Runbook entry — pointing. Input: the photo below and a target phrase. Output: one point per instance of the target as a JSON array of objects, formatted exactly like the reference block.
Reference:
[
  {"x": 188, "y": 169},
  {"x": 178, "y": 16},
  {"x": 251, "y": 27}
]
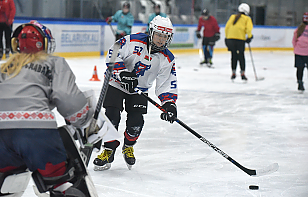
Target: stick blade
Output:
[
  {"x": 260, "y": 79},
  {"x": 268, "y": 170}
]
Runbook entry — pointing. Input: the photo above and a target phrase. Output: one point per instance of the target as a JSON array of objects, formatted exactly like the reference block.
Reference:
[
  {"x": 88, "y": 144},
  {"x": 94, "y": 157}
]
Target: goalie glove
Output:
[
  {"x": 129, "y": 81},
  {"x": 171, "y": 112}
]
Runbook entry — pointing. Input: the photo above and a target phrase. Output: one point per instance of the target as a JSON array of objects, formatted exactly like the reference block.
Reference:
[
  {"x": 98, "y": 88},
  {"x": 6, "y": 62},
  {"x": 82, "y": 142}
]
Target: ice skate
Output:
[
  {"x": 233, "y": 76},
  {"x": 128, "y": 154},
  {"x": 301, "y": 86},
  {"x": 243, "y": 76},
  {"x": 203, "y": 62},
  {"x": 104, "y": 160}
]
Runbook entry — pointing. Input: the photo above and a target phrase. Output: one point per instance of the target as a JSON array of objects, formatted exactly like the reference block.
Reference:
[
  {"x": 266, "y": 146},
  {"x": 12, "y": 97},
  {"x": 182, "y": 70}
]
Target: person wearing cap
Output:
[
  {"x": 300, "y": 45},
  {"x": 124, "y": 19},
  {"x": 211, "y": 34},
  {"x": 157, "y": 11}
]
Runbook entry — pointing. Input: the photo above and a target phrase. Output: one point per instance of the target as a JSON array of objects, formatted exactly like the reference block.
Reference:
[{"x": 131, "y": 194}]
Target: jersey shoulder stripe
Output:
[
  {"x": 167, "y": 54},
  {"x": 139, "y": 37}
]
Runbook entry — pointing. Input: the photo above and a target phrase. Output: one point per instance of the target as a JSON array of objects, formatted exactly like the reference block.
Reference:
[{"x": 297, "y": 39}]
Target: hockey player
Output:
[
  {"x": 125, "y": 21},
  {"x": 236, "y": 29},
  {"x": 157, "y": 11},
  {"x": 211, "y": 34},
  {"x": 142, "y": 59},
  {"x": 7, "y": 14},
  {"x": 300, "y": 45},
  {"x": 32, "y": 83}
]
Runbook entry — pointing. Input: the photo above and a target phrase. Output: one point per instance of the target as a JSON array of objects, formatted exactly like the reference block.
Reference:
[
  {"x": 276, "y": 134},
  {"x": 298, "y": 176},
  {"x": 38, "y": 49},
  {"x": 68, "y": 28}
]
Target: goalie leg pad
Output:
[
  {"x": 76, "y": 173},
  {"x": 14, "y": 182}
]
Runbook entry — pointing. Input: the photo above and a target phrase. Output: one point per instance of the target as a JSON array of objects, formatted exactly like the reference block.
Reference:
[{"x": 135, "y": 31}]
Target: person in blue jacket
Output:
[
  {"x": 125, "y": 21},
  {"x": 153, "y": 15}
]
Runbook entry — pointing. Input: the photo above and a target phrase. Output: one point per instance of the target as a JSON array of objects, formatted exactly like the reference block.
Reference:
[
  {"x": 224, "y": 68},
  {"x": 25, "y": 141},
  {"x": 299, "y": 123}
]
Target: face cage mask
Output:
[
  {"x": 51, "y": 46},
  {"x": 154, "y": 47}
]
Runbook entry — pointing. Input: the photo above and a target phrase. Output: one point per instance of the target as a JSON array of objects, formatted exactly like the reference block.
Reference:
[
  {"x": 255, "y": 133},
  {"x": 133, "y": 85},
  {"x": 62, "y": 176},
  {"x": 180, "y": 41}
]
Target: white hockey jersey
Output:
[{"x": 160, "y": 66}]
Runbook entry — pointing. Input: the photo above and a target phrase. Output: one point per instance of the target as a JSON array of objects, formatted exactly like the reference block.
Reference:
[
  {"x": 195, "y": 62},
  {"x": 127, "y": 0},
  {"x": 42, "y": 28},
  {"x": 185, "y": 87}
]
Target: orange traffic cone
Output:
[{"x": 94, "y": 76}]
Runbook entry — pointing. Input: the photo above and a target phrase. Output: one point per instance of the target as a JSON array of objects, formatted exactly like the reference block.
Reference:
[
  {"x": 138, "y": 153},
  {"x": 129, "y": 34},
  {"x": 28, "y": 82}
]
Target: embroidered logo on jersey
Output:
[
  {"x": 122, "y": 41},
  {"x": 140, "y": 68},
  {"x": 173, "y": 69},
  {"x": 146, "y": 57}
]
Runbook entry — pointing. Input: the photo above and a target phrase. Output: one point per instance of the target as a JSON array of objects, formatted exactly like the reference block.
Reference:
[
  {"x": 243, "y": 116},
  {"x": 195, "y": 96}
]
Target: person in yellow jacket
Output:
[{"x": 238, "y": 26}]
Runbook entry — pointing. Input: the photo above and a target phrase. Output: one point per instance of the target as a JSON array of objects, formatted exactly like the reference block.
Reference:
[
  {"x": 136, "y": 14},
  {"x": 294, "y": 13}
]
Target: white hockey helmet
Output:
[
  {"x": 161, "y": 25},
  {"x": 244, "y": 7}
]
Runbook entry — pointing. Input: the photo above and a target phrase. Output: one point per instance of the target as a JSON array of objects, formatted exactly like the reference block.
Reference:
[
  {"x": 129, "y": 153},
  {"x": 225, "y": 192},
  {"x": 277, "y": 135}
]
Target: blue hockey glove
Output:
[
  {"x": 171, "y": 112},
  {"x": 129, "y": 81}
]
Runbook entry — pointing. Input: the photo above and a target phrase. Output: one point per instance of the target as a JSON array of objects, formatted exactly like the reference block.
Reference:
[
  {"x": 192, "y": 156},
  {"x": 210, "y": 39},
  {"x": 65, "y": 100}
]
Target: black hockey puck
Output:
[{"x": 253, "y": 187}]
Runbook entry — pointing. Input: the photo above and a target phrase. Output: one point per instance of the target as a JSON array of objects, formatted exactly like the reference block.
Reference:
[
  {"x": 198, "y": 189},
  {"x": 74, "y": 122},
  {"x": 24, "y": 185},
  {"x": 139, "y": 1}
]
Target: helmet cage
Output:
[
  {"x": 48, "y": 41},
  {"x": 160, "y": 28}
]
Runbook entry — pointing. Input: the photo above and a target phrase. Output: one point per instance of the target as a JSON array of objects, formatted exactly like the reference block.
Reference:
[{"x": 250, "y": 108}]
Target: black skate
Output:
[
  {"x": 244, "y": 77},
  {"x": 104, "y": 160},
  {"x": 301, "y": 86},
  {"x": 128, "y": 154},
  {"x": 233, "y": 76},
  {"x": 203, "y": 62}
]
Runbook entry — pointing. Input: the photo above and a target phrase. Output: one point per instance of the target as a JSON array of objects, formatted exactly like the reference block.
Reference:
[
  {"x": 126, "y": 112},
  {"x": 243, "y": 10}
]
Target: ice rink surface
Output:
[{"x": 256, "y": 123}]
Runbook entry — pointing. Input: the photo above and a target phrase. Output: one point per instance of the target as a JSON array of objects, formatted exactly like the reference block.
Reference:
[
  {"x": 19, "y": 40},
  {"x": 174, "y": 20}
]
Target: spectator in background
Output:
[
  {"x": 125, "y": 21},
  {"x": 7, "y": 14},
  {"x": 236, "y": 29},
  {"x": 211, "y": 34},
  {"x": 300, "y": 45},
  {"x": 157, "y": 12}
]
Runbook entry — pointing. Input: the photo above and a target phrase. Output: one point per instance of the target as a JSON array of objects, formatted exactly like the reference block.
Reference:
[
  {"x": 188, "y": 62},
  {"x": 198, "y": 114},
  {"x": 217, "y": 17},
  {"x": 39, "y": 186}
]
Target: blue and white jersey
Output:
[{"x": 134, "y": 56}]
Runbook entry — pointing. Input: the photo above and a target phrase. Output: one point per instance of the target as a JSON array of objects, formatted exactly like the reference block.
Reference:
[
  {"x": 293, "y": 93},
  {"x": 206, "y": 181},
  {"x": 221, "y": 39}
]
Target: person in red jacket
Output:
[
  {"x": 7, "y": 14},
  {"x": 210, "y": 35}
]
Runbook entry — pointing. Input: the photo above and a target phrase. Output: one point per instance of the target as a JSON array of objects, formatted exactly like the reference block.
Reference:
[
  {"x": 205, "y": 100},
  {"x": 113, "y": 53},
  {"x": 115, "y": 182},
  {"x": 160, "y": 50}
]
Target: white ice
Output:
[{"x": 256, "y": 123}]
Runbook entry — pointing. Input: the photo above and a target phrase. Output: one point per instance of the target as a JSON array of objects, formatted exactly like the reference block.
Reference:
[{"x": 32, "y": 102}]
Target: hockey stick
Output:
[
  {"x": 270, "y": 169},
  {"x": 114, "y": 33},
  {"x": 253, "y": 65},
  {"x": 87, "y": 148},
  {"x": 91, "y": 129}
]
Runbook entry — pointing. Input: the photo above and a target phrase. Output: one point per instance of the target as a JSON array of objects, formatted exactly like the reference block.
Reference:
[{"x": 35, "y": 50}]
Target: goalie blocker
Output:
[{"x": 76, "y": 177}]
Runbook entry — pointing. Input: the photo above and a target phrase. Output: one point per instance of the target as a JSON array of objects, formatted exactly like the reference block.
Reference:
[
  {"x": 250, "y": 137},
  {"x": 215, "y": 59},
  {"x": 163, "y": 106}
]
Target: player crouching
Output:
[{"x": 32, "y": 83}]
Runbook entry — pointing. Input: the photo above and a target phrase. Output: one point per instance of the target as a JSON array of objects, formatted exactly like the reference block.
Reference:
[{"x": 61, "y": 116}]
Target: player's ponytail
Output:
[
  {"x": 14, "y": 64},
  {"x": 237, "y": 17},
  {"x": 300, "y": 29}
]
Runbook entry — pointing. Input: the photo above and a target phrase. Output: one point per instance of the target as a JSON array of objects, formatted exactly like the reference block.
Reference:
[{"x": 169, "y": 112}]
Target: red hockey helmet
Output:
[
  {"x": 31, "y": 38},
  {"x": 305, "y": 17}
]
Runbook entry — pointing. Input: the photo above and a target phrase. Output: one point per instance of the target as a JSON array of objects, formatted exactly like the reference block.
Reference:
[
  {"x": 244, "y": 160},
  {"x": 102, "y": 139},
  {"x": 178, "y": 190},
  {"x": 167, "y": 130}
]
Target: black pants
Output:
[
  {"x": 300, "y": 63},
  {"x": 135, "y": 106},
  {"x": 7, "y": 29},
  {"x": 237, "y": 48}
]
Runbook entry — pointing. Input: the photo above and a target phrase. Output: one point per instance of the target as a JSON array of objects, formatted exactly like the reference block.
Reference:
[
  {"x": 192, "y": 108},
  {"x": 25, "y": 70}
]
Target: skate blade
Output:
[
  {"x": 129, "y": 166},
  {"x": 102, "y": 168}
]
